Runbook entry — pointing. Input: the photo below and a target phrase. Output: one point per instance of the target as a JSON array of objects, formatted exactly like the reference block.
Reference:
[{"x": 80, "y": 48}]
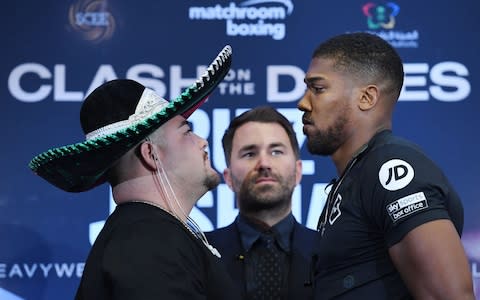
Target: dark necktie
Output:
[{"x": 269, "y": 270}]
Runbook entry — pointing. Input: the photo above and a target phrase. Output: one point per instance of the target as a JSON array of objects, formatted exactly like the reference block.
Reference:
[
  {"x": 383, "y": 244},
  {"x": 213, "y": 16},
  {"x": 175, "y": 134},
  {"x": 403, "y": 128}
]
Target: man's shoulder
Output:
[
  {"x": 225, "y": 239},
  {"x": 389, "y": 150},
  {"x": 393, "y": 144},
  {"x": 221, "y": 232}
]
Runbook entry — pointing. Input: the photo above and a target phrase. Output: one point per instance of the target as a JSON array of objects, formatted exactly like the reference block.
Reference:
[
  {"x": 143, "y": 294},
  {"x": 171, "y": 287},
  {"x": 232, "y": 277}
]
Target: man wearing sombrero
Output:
[{"x": 158, "y": 168}]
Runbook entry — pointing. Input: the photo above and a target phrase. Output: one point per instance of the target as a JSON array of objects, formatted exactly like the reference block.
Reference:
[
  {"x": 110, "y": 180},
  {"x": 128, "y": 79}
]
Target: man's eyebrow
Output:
[
  {"x": 310, "y": 80},
  {"x": 277, "y": 144},
  {"x": 185, "y": 122},
  {"x": 248, "y": 147}
]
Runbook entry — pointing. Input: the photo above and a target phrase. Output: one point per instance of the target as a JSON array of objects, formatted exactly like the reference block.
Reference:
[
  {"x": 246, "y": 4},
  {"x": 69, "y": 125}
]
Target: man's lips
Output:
[
  {"x": 265, "y": 180},
  {"x": 306, "y": 124},
  {"x": 306, "y": 121}
]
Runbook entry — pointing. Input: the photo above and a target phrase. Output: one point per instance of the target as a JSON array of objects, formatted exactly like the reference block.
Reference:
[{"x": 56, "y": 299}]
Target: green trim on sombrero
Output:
[
  {"x": 108, "y": 139},
  {"x": 81, "y": 166}
]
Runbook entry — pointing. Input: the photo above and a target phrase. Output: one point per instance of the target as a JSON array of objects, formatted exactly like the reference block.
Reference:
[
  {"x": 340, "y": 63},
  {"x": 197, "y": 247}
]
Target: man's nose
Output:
[
  {"x": 264, "y": 162},
  {"x": 203, "y": 142},
  {"x": 304, "y": 103}
]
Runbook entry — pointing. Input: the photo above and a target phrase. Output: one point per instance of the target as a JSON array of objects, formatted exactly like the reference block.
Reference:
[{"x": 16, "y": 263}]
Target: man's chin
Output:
[
  {"x": 212, "y": 181},
  {"x": 264, "y": 203},
  {"x": 266, "y": 196}
]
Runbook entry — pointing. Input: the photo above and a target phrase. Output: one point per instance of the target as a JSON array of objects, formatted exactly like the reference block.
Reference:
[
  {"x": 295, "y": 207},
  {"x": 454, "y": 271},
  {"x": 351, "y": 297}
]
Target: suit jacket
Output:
[{"x": 228, "y": 243}]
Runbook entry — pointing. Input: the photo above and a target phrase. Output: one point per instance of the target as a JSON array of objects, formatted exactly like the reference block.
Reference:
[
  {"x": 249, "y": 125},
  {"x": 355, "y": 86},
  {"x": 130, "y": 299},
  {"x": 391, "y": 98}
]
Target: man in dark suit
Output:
[{"x": 267, "y": 252}]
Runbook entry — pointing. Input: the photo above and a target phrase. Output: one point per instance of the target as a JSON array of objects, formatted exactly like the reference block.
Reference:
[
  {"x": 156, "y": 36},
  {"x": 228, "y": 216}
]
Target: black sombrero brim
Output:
[{"x": 82, "y": 166}]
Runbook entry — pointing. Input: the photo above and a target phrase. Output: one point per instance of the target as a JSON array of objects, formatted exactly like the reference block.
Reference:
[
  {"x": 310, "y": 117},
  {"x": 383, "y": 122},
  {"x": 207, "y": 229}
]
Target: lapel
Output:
[
  {"x": 300, "y": 277},
  {"x": 227, "y": 241}
]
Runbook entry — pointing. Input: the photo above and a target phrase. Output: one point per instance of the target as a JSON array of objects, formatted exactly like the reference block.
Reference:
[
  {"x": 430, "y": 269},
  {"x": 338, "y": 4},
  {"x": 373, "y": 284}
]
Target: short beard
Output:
[
  {"x": 212, "y": 181},
  {"x": 328, "y": 141},
  {"x": 266, "y": 198}
]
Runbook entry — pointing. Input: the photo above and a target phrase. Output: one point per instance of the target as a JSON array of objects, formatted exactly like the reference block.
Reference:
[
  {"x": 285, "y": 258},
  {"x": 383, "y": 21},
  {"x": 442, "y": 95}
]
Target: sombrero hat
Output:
[{"x": 115, "y": 117}]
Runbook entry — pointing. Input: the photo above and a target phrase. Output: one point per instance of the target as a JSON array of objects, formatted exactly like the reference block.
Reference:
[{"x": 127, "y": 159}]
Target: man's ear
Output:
[
  {"x": 148, "y": 155},
  {"x": 369, "y": 97},
  {"x": 298, "y": 171},
  {"x": 228, "y": 178}
]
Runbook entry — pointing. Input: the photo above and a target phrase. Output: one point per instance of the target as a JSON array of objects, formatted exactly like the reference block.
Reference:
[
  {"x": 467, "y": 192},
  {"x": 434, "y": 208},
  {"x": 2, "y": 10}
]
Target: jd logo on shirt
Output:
[{"x": 395, "y": 174}]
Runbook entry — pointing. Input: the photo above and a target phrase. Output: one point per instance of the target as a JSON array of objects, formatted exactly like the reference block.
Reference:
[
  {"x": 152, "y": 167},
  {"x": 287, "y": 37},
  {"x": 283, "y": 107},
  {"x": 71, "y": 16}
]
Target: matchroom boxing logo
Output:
[{"x": 249, "y": 18}]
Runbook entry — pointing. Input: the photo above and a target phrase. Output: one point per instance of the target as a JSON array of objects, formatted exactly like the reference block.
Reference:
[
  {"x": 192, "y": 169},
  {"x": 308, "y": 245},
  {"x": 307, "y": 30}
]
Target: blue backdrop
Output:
[{"x": 56, "y": 52}]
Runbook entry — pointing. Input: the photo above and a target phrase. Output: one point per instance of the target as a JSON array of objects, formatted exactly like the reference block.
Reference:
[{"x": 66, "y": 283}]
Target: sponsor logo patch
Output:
[
  {"x": 395, "y": 174},
  {"x": 406, "y": 206}
]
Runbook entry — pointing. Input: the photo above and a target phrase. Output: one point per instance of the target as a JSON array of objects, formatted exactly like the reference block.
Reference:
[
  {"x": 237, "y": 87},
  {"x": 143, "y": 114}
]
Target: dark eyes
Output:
[
  {"x": 189, "y": 127},
  {"x": 248, "y": 154},
  {"x": 252, "y": 153},
  {"x": 276, "y": 152},
  {"x": 315, "y": 89},
  {"x": 188, "y": 130}
]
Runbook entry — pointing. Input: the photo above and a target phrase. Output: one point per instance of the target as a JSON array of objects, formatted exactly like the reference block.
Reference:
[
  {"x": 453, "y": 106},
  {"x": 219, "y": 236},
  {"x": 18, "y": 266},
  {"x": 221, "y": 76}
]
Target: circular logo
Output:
[
  {"x": 395, "y": 174},
  {"x": 92, "y": 19}
]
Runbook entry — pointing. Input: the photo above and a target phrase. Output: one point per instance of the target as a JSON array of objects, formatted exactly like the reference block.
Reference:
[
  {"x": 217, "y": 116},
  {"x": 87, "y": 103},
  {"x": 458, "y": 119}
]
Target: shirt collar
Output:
[
  {"x": 376, "y": 138},
  {"x": 250, "y": 232}
]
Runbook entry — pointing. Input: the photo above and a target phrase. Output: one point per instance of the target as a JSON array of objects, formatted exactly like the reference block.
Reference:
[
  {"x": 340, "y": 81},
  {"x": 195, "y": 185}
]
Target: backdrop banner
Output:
[{"x": 56, "y": 52}]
